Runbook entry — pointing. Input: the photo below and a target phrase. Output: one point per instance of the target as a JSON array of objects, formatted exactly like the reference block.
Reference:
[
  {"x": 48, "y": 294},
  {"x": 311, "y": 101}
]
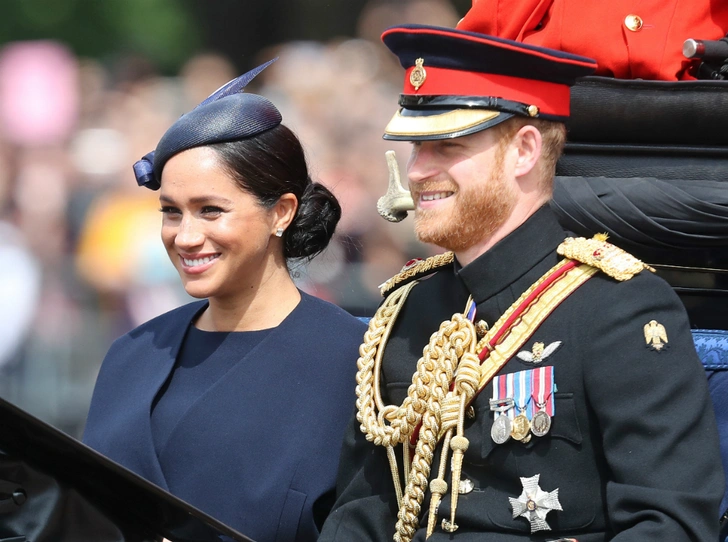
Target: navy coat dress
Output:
[{"x": 259, "y": 449}]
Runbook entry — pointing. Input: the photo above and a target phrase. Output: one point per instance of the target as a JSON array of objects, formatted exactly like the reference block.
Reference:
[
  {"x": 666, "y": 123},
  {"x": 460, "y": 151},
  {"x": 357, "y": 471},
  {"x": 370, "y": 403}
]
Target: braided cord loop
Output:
[{"x": 455, "y": 338}]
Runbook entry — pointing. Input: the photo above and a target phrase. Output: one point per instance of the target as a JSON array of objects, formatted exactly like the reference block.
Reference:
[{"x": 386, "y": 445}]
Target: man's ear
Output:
[
  {"x": 285, "y": 210},
  {"x": 527, "y": 142}
]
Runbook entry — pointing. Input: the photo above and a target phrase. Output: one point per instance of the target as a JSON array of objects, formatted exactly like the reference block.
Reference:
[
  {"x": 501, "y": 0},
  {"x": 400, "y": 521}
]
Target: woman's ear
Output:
[
  {"x": 284, "y": 211},
  {"x": 528, "y": 142}
]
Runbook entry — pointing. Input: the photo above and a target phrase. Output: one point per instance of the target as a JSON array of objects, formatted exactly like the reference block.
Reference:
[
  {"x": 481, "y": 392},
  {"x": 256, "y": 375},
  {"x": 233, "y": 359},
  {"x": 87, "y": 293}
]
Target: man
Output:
[{"x": 520, "y": 386}]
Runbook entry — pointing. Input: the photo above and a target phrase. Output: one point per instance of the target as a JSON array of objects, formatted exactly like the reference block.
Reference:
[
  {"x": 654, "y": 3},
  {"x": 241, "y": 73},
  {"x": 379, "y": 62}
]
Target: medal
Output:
[
  {"x": 543, "y": 384},
  {"x": 500, "y": 432},
  {"x": 522, "y": 393},
  {"x": 541, "y": 423},
  {"x": 521, "y": 427},
  {"x": 534, "y": 504}
]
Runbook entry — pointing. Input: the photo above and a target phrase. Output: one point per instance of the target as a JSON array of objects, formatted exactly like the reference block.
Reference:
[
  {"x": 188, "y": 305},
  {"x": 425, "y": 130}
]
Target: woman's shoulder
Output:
[
  {"x": 324, "y": 314},
  {"x": 170, "y": 320}
]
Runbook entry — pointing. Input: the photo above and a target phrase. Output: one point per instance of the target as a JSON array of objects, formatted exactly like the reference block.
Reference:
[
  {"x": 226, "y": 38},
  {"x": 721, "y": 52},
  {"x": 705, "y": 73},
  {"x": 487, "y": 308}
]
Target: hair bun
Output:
[{"x": 316, "y": 219}]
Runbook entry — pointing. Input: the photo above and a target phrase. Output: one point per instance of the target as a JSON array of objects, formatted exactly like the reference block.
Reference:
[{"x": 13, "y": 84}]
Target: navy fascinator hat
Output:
[{"x": 227, "y": 114}]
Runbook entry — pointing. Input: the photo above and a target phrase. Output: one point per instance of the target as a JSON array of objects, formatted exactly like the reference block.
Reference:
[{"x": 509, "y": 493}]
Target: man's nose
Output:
[{"x": 421, "y": 165}]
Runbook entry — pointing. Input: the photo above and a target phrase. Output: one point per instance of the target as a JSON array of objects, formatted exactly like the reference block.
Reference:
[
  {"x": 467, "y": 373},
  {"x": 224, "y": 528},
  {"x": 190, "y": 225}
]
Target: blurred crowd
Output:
[{"x": 82, "y": 262}]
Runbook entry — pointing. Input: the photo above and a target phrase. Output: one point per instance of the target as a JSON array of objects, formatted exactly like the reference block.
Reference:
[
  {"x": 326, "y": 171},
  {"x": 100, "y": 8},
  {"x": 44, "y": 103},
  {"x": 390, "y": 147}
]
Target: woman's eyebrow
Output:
[{"x": 197, "y": 199}]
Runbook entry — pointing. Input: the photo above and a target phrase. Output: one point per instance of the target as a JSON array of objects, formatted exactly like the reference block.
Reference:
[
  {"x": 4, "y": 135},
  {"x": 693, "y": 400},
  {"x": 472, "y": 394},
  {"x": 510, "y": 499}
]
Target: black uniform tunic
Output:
[{"x": 632, "y": 449}]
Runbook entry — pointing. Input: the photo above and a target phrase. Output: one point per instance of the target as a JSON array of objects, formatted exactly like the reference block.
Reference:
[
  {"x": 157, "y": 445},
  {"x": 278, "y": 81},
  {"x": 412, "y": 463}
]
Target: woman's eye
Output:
[
  {"x": 168, "y": 210},
  {"x": 211, "y": 210}
]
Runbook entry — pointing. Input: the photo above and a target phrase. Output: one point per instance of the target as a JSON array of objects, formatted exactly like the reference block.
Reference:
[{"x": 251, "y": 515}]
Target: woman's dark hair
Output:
[{"x": 273, "y": 163}]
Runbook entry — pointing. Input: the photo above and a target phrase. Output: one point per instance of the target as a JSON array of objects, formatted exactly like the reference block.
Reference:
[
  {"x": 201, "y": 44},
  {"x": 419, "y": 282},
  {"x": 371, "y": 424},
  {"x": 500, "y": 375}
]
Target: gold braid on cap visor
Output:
[{"x": 440, "y": 124}]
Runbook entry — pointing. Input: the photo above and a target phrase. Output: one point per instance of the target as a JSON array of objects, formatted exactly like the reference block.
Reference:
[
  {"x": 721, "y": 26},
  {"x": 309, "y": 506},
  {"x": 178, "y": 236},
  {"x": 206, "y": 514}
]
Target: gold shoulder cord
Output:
[
  {"x": 421, "y": 267},
  {"x": 451, "y": 354},
  {"x": 610, "y": 259}
]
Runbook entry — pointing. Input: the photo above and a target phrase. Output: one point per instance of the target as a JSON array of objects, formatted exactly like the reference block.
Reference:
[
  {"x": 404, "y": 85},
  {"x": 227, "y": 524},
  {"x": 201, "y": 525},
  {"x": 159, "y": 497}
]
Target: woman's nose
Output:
[{"x": 189, "y": 233}]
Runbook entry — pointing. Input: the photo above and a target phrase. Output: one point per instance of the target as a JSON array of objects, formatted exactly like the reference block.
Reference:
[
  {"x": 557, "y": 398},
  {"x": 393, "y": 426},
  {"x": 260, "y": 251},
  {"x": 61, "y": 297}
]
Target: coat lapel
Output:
[{"x": 162, "y": 356}]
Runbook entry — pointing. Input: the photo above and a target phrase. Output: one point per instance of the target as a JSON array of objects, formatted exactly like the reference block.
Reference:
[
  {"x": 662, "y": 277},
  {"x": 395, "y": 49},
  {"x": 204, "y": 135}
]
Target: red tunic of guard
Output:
[{"x": 630, "y": 39}]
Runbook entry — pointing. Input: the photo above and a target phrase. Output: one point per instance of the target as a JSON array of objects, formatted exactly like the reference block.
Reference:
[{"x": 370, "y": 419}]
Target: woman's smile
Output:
[{"x": 198, "y": 264}]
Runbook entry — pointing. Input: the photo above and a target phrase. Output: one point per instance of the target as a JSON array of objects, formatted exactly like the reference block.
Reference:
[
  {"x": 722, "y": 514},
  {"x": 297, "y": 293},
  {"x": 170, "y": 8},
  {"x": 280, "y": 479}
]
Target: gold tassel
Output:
[
  {"x": 395, "y": 474},
  {"x": 438, "y": 486},
  {"x": 459, "y": 445}
]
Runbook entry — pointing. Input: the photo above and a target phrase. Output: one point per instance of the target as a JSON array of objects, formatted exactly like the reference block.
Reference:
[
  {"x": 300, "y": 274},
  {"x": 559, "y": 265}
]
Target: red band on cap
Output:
[{"x": 550, "y": 98}]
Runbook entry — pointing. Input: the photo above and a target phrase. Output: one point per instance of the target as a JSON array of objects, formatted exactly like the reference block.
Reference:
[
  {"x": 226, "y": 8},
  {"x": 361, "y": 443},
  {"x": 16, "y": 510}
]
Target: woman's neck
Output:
[{"x": 262, "y": 306}]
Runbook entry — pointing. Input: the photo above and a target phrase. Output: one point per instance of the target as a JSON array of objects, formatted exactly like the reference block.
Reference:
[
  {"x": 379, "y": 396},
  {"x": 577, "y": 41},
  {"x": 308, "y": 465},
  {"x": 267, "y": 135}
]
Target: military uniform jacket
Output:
[
  {"x": 259, "y": 450},
  {"x": 632, "y": 448}
]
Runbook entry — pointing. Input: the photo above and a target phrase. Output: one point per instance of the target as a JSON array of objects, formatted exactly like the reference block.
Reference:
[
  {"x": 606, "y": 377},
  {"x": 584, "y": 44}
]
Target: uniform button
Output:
[
  {"x": 466, "y": 486},
  {"x": 633, "y": 22}
]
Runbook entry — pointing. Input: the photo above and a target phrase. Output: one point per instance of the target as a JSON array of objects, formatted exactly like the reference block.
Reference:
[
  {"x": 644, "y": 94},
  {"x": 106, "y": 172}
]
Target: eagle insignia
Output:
[
  {"x": 539, "y": 352},
  {"x": 655, "y": 335}
]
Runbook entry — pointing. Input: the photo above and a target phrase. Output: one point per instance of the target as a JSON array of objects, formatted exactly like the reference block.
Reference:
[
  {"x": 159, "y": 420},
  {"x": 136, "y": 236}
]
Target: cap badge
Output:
[
  {"x": 655, "y": 335},
  {"x": 539, "y": 352},
  {"x": 418, "y": 74},
  {"x": 534, "y": 504}
]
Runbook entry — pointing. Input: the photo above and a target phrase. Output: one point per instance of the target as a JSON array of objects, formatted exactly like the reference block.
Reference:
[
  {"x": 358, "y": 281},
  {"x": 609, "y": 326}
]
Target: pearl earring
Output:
[{"x": 279, "y": 232}]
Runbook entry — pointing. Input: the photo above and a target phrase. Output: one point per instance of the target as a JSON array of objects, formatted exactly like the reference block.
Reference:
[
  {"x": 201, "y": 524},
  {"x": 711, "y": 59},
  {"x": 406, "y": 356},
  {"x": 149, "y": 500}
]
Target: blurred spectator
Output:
[
  {"x": 91, "y": 262},
  {"x": 19, "y": 289}
]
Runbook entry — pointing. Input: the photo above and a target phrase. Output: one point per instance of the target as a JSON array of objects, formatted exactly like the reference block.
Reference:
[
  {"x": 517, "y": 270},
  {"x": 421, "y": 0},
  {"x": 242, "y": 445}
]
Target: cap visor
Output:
[{"x": 420, "y": 125}]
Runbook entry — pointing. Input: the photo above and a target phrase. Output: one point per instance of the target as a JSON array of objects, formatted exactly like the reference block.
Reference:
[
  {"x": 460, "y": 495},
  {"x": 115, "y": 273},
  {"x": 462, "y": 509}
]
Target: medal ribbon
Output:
[
  {"x": 543, "y": 388},
  {"x": 502, "y": 390},
  {"x": 521, "y": 383}
]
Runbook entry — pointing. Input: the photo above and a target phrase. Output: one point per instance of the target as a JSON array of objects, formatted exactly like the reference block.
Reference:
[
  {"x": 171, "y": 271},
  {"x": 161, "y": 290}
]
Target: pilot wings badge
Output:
[
  {"x": 538, "y": 352},
  {"x": 655, "y": 335}
]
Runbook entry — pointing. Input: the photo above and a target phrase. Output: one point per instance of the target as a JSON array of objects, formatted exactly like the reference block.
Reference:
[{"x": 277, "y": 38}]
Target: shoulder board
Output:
[
  {"x": 606, "y": 257},
  {"x": 415, "y": 269}
]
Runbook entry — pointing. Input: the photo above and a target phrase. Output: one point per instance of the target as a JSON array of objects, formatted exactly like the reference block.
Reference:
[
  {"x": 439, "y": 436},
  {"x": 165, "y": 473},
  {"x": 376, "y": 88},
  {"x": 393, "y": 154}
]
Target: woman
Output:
[{"x": 237, "y": 403}]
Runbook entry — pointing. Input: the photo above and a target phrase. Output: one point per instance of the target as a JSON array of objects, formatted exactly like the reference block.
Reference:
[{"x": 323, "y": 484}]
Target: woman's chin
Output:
[{"x": 198, "y": 292}]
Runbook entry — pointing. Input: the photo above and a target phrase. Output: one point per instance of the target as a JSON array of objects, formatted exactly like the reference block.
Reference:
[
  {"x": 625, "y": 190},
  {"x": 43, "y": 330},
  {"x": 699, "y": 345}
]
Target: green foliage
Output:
[{"x": 162, "y": 30}]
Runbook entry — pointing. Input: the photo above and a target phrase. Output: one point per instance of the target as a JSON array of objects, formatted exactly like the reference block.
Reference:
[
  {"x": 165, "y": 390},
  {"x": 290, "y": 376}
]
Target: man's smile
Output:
[{"x": 432, "y": 196}]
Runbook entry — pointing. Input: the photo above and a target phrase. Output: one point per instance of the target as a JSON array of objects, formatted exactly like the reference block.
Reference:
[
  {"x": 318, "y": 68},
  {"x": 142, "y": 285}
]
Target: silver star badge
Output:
[{"x": 534, "y": 504}]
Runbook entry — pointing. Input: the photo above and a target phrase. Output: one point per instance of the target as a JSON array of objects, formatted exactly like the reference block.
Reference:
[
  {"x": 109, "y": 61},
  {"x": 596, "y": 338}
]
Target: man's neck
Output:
[{"x": 520, "y": 214}]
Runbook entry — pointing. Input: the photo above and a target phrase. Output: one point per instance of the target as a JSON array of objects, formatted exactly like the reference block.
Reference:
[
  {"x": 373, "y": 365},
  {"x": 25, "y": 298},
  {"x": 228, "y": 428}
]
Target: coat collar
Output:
[{"x": 512, "y": 257}]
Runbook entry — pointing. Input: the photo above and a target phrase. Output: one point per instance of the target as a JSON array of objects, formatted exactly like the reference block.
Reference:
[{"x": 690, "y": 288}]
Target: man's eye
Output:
[{"x": 450, "y": 144}]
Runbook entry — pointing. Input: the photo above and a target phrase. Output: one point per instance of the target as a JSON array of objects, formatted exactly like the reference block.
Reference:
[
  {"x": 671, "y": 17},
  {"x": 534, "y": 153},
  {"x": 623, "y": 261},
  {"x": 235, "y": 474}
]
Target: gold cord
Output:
[
  {"x": 438, "y": 486},
  {"x": 431, "y": 405},
  {"x": 391, "y": 425}
]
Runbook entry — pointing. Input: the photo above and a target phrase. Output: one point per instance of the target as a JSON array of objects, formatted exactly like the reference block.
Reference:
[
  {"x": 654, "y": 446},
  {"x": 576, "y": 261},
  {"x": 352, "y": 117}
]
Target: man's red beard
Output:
[{"x": 475, "y": 214}]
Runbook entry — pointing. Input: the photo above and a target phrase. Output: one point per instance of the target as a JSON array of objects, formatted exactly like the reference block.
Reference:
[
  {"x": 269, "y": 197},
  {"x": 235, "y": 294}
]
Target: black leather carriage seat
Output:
[{"x": 647, "y": 163}]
